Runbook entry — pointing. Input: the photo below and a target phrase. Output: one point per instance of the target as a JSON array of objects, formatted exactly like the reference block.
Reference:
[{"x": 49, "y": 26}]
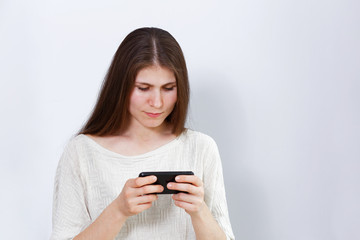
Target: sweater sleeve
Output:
[
  {"x": 70, "y": 213},
  {"x": 215, "y": 196}
]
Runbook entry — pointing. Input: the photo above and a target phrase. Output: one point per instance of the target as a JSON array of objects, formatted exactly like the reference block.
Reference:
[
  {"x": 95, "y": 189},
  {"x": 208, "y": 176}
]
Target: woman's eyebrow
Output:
[
  {"x": 170, "y": 83},
  {"x": 150, "y": 85}
]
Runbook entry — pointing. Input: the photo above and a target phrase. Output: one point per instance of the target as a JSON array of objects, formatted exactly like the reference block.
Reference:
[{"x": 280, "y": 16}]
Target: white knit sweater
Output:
[{"x": 89, "y": 177}]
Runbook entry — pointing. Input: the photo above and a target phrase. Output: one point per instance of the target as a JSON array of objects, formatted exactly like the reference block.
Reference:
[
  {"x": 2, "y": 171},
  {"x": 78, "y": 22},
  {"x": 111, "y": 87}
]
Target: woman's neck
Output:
[{"x": 139, "y": 133}]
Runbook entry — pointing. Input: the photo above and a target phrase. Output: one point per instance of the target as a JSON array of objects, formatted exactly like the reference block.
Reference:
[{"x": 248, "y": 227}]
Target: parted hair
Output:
[{"x": 144, "y": 47}]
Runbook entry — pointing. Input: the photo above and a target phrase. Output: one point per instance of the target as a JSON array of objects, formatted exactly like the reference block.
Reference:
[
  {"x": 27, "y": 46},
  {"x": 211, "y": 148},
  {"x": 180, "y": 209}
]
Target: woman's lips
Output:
[{"x": 153, "y": 115}]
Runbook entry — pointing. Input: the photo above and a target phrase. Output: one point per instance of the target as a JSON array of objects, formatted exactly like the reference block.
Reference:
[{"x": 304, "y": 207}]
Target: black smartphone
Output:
[{"x": 163, "y": 178}]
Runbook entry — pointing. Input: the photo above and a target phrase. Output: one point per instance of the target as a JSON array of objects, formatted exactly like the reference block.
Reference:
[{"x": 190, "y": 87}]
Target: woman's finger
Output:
[
  {"x": 148, "y": 189},
  {"x": 145, "y": 199},
  {"x": 184, "y": 187},
  {"x": 189, "y": 207},
  {"x": 135, "y": 209},
  {"x": 189, "y": 198},
  {"x": 189, "y": 179},
  {"x": 142, "y": 181}
]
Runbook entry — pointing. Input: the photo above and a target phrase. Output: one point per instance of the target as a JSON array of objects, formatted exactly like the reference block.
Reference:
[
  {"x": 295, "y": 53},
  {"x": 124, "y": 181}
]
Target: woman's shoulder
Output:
[
  {"x": 77, "y": 139},
  {"x": 71, "y": 152},
  {"x": 75, "y": 142},
  {"x": 199, "y": 137}
]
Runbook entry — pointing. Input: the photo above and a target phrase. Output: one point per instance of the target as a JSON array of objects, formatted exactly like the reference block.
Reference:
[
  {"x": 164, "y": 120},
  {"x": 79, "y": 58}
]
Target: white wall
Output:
[{"x": 276, "y": 83}]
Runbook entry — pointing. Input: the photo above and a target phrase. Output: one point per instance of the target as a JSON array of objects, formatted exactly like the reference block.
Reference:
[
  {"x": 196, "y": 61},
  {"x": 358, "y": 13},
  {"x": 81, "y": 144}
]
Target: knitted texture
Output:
[{"x": 89, "y": 177}]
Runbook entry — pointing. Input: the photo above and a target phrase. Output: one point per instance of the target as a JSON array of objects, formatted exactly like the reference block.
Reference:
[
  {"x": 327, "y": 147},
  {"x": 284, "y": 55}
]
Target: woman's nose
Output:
[{"x": 156, "y": 99}]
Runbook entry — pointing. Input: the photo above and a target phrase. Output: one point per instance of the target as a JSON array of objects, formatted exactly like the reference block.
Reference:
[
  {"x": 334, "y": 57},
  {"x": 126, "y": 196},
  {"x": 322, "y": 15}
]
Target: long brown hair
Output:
[{"x": 142, "y": 48}]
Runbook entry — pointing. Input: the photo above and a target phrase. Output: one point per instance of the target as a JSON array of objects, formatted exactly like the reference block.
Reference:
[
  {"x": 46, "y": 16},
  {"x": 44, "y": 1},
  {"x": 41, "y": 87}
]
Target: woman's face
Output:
[{"x": 153, "y": 97}]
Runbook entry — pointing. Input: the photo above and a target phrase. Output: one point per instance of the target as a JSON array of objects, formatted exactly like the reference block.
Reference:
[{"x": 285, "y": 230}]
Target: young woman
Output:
[{"x": 137, "y": 125}]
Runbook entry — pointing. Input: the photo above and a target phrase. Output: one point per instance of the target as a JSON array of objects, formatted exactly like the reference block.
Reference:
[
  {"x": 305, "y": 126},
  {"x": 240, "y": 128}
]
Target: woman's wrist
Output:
[
  {"x": 106, "y": 226},
  {"x": 119, "y": 216},
  {"x": 205, "y": 226},
  {"x": 201, "y": 214}
]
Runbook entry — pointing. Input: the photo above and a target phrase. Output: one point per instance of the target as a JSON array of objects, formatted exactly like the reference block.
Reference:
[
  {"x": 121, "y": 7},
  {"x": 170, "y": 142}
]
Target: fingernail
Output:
[
  {"x": 177, "y": 178},
  {"x": 170, "y": 185},
  {"x": 154, "y": 178}
]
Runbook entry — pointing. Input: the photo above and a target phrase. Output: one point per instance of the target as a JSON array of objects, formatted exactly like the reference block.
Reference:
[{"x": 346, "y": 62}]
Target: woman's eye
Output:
[
  {"x": 143, "y": 88},
  {"x": 169, "y": 88}
]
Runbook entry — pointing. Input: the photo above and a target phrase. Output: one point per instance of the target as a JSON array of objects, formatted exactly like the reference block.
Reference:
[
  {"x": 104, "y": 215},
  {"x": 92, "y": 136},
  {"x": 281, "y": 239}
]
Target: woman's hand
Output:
[
  {"x": 205, "y": 226},
  {"x": 136, "y": 195},
  {"x": 192, "y": 201},
  {"x": 132, "y": 200}
]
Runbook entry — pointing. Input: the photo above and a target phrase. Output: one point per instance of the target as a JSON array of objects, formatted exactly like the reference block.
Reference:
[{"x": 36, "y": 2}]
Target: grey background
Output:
[{"x": 275, "y": 83}]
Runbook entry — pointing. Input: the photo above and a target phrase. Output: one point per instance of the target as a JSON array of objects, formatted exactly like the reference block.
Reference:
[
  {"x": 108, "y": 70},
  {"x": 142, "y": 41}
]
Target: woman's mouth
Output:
[{"x": 153, "y": 115}]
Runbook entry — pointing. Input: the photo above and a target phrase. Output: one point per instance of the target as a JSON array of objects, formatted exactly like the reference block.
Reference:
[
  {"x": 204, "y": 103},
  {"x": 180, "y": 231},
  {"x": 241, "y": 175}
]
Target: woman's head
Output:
[{"x": 142, "y": 48}]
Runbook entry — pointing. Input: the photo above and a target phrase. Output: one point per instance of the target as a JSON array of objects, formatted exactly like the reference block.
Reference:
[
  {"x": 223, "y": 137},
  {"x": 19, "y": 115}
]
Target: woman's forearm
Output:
[
  {"x": 205, "y": 226},
  {"x": 106, "y": 226},
  {"x": 137, "y": 196}
]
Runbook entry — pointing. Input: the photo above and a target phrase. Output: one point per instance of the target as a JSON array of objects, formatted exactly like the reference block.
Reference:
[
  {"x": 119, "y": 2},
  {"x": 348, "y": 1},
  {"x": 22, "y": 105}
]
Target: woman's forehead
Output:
[{"x": 155, "y": 75}]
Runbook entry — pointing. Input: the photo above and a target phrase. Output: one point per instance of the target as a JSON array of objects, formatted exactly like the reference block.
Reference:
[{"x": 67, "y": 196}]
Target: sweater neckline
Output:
[{"x": 144, "y": 155}]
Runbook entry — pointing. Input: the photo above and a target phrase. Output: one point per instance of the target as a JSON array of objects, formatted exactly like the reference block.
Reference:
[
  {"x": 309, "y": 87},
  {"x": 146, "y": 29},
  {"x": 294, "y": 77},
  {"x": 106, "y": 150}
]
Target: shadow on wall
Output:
[{"x": 217, "y": 109}]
